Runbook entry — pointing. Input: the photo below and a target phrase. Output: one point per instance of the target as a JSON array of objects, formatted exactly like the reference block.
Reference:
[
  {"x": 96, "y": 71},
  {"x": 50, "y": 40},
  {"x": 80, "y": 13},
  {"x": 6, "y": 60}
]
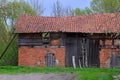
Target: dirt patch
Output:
[{"x": 39, "y": 76}]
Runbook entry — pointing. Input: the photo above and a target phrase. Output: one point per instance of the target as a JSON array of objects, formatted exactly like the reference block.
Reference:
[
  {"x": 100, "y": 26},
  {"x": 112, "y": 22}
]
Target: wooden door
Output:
[
  {"x": 50, "y": 60},
  {"x": 70, "y": 51},
  {"x": 85, "y": 51},
  {"x": 93, "y": 56},
  {"x": 115, "y": 60}
]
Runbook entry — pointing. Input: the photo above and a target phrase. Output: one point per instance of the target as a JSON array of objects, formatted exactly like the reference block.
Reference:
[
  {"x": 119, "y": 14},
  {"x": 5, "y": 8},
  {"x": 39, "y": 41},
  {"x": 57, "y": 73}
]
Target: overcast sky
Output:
[{"x": 72, "y": 3}]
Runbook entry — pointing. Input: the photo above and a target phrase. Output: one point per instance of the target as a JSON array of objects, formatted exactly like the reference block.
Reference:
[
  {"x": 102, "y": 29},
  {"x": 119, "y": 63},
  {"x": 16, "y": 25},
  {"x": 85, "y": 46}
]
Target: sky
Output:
[{"x": 66, "y": 3}]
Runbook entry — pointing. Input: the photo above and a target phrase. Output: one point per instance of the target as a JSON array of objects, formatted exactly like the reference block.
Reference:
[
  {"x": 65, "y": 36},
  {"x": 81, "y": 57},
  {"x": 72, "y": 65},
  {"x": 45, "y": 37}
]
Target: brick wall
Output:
[
  {"x": 104, "y": 57},
  {"x": 105, "y": 54},
  {"x": 35, "y": 56}
]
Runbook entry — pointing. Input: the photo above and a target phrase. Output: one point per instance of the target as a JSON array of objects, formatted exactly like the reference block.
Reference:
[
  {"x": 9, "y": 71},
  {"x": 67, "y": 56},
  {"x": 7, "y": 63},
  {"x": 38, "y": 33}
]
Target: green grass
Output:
[{"x": 83, "y": 74}]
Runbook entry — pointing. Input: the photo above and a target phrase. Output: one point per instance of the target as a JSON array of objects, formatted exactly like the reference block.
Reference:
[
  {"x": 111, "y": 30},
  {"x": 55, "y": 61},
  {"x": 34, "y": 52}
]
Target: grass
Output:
[{"x": 83, "y": 74}]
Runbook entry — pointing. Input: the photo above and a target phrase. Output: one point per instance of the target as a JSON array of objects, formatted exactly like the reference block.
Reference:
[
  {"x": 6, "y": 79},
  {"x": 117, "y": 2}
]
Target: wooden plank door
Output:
[
  {"x": 93, "y": 56},
  {"x": 115, "y": 61},
  {"x": 85, "y": 51},
  {"x": 50, "y": 60},
  {"x": 70, "y": 51}
]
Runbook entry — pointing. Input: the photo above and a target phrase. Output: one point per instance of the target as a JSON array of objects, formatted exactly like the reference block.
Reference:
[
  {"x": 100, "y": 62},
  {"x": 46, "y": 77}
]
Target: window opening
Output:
[{"x": 46, "y": 38}]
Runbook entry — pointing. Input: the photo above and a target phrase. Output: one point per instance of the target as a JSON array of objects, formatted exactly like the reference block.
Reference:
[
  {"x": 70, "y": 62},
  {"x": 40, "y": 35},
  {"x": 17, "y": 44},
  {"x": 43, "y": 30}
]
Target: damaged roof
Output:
[{"x": 92, "y": 23}]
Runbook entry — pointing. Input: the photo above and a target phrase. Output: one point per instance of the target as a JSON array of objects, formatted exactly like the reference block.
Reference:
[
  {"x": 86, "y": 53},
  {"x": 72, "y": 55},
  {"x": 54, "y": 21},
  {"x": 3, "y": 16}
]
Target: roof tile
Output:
[{"x": 93, "y": 23}]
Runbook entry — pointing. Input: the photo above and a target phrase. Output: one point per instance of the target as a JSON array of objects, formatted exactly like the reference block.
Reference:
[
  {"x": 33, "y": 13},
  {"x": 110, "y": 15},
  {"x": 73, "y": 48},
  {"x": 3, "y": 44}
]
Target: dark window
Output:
[
  {"x": 30, "y": 40},
  {"x": 55, "y": 35}
]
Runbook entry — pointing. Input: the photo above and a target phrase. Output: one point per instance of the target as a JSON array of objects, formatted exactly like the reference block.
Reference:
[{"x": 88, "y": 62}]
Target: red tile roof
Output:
[{"x": 93, "y": 23}]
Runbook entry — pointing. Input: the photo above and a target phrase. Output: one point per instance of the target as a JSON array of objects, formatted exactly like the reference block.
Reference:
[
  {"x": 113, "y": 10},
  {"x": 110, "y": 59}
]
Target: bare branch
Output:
[{"x": 37, "y": 6}]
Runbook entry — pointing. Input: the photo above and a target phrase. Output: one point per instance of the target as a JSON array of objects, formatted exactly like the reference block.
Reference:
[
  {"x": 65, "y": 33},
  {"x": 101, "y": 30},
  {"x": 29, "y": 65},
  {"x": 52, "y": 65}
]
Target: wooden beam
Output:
[
  {"x": 113, "y": 41},
  {"x": 103, "y": 42},
  {"x": 110, "y": 46}
]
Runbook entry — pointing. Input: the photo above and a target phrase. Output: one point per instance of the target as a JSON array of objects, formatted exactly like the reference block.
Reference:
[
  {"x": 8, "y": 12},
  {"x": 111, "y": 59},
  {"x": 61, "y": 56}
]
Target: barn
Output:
[{"x": 78, "y": 41}]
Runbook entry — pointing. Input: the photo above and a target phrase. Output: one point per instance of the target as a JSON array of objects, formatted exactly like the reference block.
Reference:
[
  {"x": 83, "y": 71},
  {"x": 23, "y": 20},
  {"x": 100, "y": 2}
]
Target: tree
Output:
[
  {"x": 105, "y": 6},
  {"x": 2, "y": 27},
  {"x": 2, "y": 2},
  {"x": 9, "y": 13},
  {"x": 13, "y": 9},
  {"x": 36, "y": 5},
  {"x": 78, "y": 11},
  {"x": 3, "y": 31},
  {"x": 68, "y": 11},
  {"x": 57, "y": 9}
]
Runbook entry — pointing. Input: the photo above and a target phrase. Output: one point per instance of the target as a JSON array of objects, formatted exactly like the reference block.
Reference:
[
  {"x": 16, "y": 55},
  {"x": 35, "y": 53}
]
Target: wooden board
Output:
[
  {"x": 85, "y": 50},
  {"x": 50, "y": 60},
  {"x": 115, "y": 61}
]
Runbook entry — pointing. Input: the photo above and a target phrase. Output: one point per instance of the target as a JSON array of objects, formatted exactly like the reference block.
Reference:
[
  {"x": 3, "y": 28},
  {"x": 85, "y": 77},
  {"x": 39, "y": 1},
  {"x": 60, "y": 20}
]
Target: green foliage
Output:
[
  {"x": 17, "y": 8},
  {"x": 9, "y": 14},
  {"x": 14, "y": 9},
  {"x": 78, "y": 11},
  {"x": 3, "y": 32},
  {"x": 105, "y": 6},
  {"x": 11, "y": 55},
  {"x": 100, "y": 6},
  {"x": 82, "y": 74}
]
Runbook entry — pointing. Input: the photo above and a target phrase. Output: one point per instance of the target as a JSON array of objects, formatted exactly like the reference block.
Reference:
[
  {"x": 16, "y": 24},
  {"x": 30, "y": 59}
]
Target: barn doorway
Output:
[
  {"x": 50, "y": 60},
  {"x": 83, "y": 49}
]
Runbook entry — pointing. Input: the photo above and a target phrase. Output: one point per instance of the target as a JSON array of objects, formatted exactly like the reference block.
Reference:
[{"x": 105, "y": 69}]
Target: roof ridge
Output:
[{"x": 69, "y": 16}]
